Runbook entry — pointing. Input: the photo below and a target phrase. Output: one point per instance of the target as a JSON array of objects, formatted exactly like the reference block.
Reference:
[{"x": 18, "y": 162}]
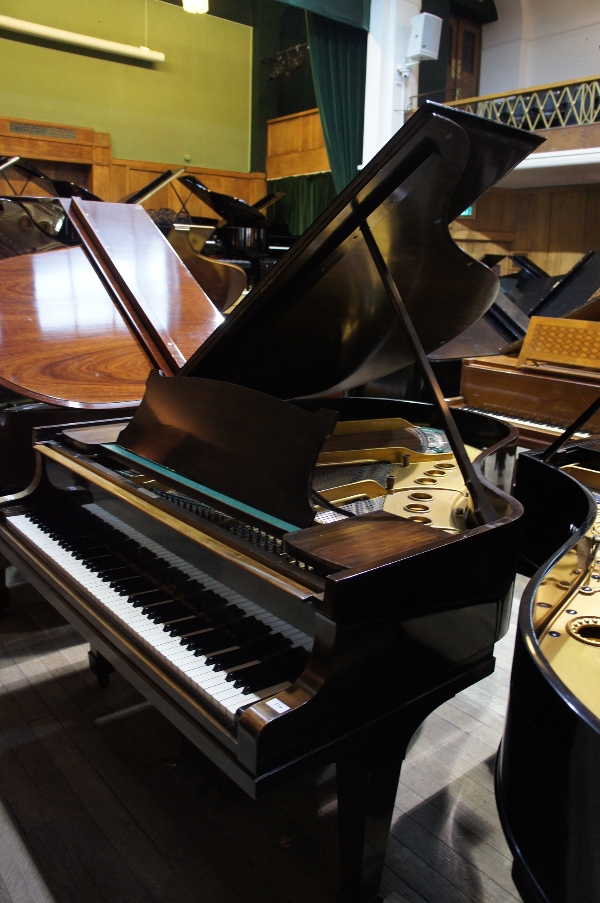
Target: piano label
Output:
[{"x": 278, "y": 706}]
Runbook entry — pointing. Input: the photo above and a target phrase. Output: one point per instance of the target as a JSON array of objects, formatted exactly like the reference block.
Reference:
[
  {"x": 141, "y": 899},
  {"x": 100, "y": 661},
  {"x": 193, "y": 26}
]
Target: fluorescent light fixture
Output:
[
  {"x": 80, "y": 40},
  {"x": 195, "y": 6}
]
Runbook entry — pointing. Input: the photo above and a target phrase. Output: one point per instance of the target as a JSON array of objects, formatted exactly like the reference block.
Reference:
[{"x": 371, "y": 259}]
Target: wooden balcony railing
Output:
[{"x": 576, "y": 102}]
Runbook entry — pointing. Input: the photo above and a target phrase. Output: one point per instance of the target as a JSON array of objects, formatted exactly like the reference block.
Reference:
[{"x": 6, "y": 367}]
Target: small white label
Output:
[{"x": 278, "y": 706}]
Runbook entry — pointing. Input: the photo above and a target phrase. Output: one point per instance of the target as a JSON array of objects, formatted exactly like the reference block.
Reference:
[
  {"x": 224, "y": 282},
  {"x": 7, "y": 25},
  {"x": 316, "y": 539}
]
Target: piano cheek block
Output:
[{"x": 258, "y": 723}]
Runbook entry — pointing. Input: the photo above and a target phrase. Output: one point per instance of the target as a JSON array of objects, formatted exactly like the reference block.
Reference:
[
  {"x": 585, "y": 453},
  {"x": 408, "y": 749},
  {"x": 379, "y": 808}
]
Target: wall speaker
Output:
[{"x": 424, "y": 41}]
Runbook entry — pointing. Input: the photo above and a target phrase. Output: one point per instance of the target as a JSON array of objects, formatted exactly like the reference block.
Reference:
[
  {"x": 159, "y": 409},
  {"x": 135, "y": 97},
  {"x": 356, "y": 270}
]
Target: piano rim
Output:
[{"x": 525, "y": 622}]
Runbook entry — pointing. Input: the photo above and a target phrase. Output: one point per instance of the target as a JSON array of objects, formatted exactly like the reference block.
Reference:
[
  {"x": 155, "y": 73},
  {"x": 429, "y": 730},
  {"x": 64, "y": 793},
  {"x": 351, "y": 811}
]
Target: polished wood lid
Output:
[{"x": 83, "y": 326}]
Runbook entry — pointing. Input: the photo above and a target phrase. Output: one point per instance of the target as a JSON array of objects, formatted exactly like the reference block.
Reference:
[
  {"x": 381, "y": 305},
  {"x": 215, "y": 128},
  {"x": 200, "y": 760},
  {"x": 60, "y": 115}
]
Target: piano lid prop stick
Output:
[
  {"x": 484, "y": 511},
  {"x": 558, "y": 443},
  {"x": 7, "y": 162}
]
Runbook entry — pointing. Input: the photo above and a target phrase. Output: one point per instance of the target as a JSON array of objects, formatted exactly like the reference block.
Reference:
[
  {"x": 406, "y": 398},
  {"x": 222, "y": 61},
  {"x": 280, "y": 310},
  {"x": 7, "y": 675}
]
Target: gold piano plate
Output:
[
  {"x": 397, "y": 441},
  {"x": 567, "y": 619},
  {"x": 426, "y": 494}
]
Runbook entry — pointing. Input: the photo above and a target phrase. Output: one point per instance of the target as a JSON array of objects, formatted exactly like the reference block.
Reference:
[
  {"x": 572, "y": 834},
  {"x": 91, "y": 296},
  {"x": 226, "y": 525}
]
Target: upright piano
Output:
[
  {"x": 542, "y": 389},
  {"x": 547, "y": 779},
  {"x": 253, "y": 550}
]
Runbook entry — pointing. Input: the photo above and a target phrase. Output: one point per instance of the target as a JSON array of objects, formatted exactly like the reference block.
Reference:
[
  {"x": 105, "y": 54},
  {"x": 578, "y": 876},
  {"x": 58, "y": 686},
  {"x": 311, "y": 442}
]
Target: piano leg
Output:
[
  {"x": 367, "y": 783},
  {"x": 100, "y": 667},
  {"x": 4, "y": 596}
]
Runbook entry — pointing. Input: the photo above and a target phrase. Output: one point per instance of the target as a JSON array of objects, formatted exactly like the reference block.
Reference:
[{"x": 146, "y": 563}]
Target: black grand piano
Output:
[
  {"x": 252, "y": 549},
  {"x": 547, "y": 782}
]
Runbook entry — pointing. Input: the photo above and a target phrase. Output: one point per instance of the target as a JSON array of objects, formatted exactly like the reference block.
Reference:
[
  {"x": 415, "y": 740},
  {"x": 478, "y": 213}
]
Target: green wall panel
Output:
[{"x": 196, "y": 103}]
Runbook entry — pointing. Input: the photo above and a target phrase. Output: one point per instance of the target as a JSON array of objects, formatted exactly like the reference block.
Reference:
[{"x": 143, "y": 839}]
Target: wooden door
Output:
[{"x": 462, "y": 75}]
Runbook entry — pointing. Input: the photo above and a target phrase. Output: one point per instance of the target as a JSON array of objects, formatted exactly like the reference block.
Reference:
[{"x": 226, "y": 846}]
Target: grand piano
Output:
[
  {"x": 100, "y": 299},
  {"x": 253, "y": 550},
  {"x": 547, "y": 783}
]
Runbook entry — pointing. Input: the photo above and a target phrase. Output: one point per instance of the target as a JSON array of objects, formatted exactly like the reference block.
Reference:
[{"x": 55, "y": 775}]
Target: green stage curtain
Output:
[
  {"x": 338, "y": 56},
  {"x": 305, "y": 198},
  {"x": 350, "y": 12}
]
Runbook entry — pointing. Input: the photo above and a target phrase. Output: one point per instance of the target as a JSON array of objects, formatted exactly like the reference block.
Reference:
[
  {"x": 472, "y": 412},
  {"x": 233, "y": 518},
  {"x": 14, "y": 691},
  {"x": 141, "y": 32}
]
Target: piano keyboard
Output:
[
  {"x": 229, "y": 650},
  {"x": 521, "y": 423}
]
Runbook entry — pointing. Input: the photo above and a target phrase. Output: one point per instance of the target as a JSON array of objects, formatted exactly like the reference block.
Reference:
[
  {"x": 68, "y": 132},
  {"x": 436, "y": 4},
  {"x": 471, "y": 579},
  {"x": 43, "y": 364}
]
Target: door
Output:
[{"x": 462, "y": 75}]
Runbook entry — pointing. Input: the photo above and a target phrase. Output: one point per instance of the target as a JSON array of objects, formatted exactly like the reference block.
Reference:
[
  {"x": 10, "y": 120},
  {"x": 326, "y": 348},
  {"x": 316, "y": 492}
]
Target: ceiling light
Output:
[{"x": 195, "y": 6}]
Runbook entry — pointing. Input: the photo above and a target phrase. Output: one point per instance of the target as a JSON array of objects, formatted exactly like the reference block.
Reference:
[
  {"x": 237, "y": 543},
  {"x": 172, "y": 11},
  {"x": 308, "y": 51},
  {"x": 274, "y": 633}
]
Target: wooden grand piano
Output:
[
  {"x": 259, "y": 567},
  {"x": 101, "y": 300}
]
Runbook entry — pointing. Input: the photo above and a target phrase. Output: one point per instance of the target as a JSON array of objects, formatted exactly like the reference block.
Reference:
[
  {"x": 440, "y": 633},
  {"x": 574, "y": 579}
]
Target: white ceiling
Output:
[{"x": 566, "y": 167}]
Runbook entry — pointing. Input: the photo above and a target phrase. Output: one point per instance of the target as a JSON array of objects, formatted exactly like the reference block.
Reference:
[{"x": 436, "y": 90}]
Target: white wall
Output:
[
  {"x": 387, "y": 94},
  {"x": 537, "y": 42}
]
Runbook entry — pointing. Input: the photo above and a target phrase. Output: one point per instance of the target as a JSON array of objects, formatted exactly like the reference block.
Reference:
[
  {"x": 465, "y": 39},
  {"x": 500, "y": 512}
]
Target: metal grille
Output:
[{"x": 553, "y": 106}]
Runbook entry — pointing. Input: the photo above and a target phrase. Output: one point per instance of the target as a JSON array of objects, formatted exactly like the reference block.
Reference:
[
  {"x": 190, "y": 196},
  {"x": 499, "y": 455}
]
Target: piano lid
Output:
[
  {"x": 233, "y": 211},
  {"x": 320, "y": 321}
]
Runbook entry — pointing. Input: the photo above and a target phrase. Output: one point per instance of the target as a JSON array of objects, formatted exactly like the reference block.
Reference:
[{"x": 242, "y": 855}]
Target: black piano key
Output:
[
  {"x": 165, "y": 614},
  {"x": 112, "y": 573},
  {"x": 260, "y": 676},
  {"x": 289, "y": 665},
  {"x": 152, "y": 596},
  {"x": 173, "y": 576},
  {"x": 163, "y": 609},
  {"x": 136, "y": 584},
  {"x": 250, "y": 629},
  {"x": 103, "y": 560},
  {"x": 118, "y": 577},
  {"x": 154, "y": 566},
  {"x": 225, "y": 616},
  {"x": 135, "y": 552},
  {"x": 241, "y": 629},
  {"x": 204, "y": 600},
  {"x": 195, "y": 623},
  {"x": 247, "y": 652},
  {"x": 211, "y": 641}
]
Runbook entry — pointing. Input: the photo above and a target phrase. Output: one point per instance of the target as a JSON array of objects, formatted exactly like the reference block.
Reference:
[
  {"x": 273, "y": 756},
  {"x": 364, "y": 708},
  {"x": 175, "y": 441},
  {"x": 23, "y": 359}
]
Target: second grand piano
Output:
[{"x": 303, "y": 581}]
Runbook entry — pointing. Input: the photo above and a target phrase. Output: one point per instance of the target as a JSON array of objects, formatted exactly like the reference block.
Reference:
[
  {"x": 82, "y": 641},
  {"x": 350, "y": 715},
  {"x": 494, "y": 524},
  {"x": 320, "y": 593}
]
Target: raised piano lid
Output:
[
  {"x": 320, "y": 321},
  {"x": 83, "y": 326}
]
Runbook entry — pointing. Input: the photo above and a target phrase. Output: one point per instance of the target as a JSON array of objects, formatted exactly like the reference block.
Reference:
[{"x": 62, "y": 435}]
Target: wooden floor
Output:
[{"x": 100, "y": 803}]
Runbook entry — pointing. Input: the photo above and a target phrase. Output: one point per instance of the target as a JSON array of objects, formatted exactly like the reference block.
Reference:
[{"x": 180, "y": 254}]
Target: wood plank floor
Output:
[{"x": 99, "y": 801}]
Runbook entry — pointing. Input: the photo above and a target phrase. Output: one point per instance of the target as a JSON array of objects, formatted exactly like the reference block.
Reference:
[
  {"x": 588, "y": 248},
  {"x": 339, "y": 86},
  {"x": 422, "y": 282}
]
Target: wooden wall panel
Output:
[
  {"x": 295, "y": 145},
  {"x": 532, "y": 232},
  {"x": 84, "y": 156},
  {"x": 591, "y": 236},
  {"x": 567, "y": 229},
  {"x": 554, "y": 226}
]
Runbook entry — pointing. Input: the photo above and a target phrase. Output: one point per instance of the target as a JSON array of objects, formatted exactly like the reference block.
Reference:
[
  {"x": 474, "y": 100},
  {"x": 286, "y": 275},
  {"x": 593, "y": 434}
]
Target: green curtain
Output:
[
  {"x": 305, "y": 198},
  {"x": 339, "y": 62},
  {"x": 351, "y": 12}
]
